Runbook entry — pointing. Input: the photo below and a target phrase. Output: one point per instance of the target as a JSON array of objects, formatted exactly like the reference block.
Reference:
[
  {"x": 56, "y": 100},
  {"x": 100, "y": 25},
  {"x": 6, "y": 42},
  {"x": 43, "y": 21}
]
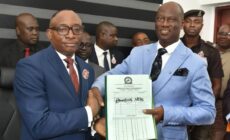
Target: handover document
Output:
[{"x": 126, "y": 97}]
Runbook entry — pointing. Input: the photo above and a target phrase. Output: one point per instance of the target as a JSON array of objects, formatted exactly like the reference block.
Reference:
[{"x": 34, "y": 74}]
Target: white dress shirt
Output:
[
  {"x": 169, "y": 49},
  {"x": 100, "y": 56},
  {"x": 87, "y": 108}
]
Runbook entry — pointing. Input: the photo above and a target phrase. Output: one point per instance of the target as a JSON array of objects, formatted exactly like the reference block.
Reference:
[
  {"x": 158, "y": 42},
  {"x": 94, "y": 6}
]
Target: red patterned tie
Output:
[
  {"x": 27, "y": 52},
  {"x": 72, "y": 73}
]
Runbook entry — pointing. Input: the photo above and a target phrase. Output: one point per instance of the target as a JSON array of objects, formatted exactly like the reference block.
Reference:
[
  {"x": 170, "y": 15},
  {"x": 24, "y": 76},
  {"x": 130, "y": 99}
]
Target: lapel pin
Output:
[
  {"x": 113, "y": 60},
  {"x": 85, "y": 74}
]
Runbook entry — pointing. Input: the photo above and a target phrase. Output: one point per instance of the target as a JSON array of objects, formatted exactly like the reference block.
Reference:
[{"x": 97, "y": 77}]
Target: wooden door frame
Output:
[{"x": 217, "y": 24}]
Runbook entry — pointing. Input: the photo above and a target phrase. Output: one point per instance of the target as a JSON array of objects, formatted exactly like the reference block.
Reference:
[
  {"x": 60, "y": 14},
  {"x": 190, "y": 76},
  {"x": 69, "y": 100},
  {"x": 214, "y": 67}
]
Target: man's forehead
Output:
[{"x": 66, "y": 16}]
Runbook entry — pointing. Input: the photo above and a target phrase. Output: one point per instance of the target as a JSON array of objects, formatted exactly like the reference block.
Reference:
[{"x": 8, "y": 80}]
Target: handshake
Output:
[{"x": 95, "y": 102}]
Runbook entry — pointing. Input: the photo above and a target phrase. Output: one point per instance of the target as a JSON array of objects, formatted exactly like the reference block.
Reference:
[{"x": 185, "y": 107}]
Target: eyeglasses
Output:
[
  {"x": 86, "y": 45},
  {"x": 224, "y": 34},
  {"x": 64, "y": 29}
]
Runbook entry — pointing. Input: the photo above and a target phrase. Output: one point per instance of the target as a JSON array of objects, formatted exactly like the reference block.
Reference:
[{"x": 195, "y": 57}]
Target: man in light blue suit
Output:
[
  {"x": 52, "y": 106},
  {"x": 182, "y": 91}
]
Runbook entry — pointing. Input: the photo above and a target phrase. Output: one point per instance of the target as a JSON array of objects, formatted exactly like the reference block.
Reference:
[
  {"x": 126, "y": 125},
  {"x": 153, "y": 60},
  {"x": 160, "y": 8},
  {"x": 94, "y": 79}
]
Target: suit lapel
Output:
[
  {"x": 149, "y": 57},
  {"x": 93, "y": 56},
  {"x": 111, "y": 57},
  {"x": 83, "y": 78},
  {"x": 55, "y": 61},
  {"x": 174, "y": 62}
]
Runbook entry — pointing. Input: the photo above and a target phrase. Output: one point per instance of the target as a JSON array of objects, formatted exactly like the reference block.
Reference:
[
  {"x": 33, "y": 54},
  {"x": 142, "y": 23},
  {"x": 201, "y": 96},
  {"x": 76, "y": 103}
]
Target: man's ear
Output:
[
  {"x": 17, "y": 31},
  {"x": 182, "y": 24},
  {"x": 48, "y": 34}
]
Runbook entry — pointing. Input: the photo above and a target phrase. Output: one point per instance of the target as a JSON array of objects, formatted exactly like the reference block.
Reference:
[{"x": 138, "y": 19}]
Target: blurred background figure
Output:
[
  {"x": 27, "y": 31},
  {"x": 139, "y": 39},
  {"x": 223, "y": 45},
  {"x": 26, "y": 44},
  {"x": 193, "y": 24},
  {"x": 85, "y": 51},
  {"x": 104, "y": 52}
]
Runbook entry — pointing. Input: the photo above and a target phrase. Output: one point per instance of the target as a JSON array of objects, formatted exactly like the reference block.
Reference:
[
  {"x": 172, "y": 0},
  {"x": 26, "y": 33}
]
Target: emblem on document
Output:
[{"x": 128, "y": 80}]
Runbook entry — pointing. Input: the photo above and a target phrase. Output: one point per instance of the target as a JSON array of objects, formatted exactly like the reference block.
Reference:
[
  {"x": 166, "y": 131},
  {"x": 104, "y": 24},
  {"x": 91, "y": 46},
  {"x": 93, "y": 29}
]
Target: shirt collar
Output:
[
  {"x": 98, "y": 50},
  {"x": 64, "y": 57},
  {"x": 169, "y": 48}
]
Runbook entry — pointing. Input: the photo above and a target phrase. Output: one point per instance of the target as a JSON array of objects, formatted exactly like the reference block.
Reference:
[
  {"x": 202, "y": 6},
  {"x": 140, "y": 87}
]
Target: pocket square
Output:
[{"x": 181, "y": 72}]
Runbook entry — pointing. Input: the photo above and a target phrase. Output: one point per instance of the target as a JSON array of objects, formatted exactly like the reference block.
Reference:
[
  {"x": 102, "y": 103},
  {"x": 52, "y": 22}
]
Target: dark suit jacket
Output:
[
  {"x": 46, "y": 98},
  {"x": 226, "y": 100},
  {"x": 98, "y": 70},
  {"x": 226, "y": 106},
  {"x": 113, "y": 53},
  {"x": 9, "y": 56}
]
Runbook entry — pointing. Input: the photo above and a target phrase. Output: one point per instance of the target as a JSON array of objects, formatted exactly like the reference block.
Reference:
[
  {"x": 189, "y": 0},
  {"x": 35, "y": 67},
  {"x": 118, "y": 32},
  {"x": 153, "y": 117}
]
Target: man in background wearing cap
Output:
[{"x": 193, "y": 23}]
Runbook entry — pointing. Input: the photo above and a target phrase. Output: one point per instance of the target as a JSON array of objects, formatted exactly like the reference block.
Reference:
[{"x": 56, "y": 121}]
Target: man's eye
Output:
[{"x": 160, "y": 19}]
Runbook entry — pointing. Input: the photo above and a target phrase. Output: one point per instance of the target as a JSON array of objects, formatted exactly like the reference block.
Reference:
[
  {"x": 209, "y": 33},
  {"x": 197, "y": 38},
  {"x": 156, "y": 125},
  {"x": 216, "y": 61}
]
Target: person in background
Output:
[
  {"x": 27, "y": 43},
  {"x": 223, "y": 45},
  {"x": 85, "y": 51},
  {"x": 51, "y": 86},
  {"x": 139, "y": 39},
  {"x": 193, "y": 23},
  {"x": 104, "y": 52},
  {"x": 181, "y": 86}
]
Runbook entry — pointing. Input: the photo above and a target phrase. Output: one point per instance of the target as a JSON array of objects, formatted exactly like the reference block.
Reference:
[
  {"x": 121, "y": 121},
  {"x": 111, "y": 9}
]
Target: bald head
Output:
[
  {"x": 102, "y": 26},
  {"x": 64, "y": 15},
  {"x": 106, "y": 35},
  {"x": 27, "y": 29},
  {"x": 169, "y": 22},
  {"x": 176, "y": 8}
]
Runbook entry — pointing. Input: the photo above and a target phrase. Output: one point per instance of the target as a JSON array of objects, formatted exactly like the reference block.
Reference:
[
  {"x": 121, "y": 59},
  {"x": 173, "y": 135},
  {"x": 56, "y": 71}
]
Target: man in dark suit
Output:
[
  {"x": 51, "y": 87},
  {"x": 85, "y": 51},
  {"x": 105, "y": 53},
  {"x": 27, "y": 31},
  {"x": 226, "y": 108}
]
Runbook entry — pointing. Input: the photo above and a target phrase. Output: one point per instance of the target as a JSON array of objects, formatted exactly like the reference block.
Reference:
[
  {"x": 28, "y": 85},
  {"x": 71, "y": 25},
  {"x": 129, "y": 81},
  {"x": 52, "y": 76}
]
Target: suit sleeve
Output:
[
  {"x": 122, "y": 68},
  {"x": 33, "y": 102}
]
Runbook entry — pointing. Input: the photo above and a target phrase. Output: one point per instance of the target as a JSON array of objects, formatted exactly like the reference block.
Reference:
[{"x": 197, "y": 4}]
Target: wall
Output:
[
  {"x": 128, "y": 15},
  {"x": 208, "y": 6}
]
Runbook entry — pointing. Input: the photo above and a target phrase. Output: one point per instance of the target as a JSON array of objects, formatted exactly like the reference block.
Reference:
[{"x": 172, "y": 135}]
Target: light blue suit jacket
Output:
[
  {"x": 187, "y": 100},
  {"x": 46, "y": 98}
]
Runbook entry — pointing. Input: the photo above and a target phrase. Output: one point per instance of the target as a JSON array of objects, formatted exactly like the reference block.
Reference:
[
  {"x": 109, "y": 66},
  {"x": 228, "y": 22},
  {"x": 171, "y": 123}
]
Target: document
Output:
[{"x": 126, "y": 97}]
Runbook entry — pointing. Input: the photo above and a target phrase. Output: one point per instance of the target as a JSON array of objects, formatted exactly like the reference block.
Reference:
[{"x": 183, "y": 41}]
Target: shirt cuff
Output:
[
  {"x": 89, "y": 114},
  {"x": 228, "y": 117}
]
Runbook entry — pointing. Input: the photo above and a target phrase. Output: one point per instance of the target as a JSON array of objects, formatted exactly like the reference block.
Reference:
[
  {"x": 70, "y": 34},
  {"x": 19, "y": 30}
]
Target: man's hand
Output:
[
  {"x": 100, "y": 128},
  {"x": 157, "y": 113},
  {"x": 93, "y": 103},
  {"x": 98, "y": 96}
]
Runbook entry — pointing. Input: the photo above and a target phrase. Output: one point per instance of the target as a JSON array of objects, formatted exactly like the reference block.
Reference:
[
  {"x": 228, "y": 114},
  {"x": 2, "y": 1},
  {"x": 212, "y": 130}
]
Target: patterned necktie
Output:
[
  {"x": 157, "y": 64},
  {"x": 72, "y": 73},
  {"x": 27, "y": 52},
  {"x": 106, "y": 64}
]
